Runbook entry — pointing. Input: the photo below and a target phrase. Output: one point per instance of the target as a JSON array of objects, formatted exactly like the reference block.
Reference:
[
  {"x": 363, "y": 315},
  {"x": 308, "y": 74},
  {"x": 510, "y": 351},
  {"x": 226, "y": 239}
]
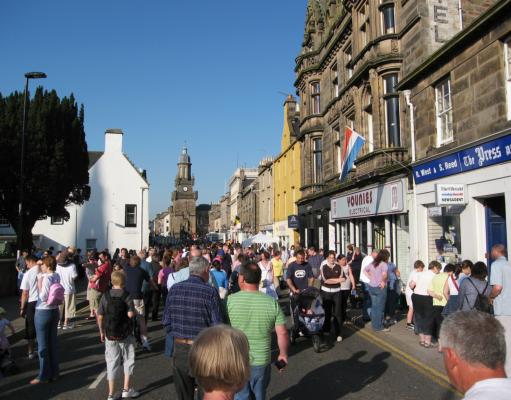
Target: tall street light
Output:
[{"x": 28, "y": 76}]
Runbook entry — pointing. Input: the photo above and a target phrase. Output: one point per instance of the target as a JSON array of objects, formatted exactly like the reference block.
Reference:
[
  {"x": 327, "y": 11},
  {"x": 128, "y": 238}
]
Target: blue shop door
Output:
[{"x": 496, "y": 232}]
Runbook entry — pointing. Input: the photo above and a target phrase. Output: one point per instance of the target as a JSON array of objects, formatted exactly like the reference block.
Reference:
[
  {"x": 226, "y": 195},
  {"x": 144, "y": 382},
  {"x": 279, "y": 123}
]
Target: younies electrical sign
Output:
[
  {"x": 490, "y": 153},
  {"x": 375, "y": 200}
]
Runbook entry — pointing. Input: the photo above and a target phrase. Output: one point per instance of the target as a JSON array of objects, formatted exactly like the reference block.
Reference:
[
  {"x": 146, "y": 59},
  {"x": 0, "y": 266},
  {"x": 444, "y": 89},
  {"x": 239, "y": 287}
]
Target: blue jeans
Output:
[
  {"x": 257, "y": 385},
  {"x": 378, "y": 299},
  {"x": 46, "y": 330}
]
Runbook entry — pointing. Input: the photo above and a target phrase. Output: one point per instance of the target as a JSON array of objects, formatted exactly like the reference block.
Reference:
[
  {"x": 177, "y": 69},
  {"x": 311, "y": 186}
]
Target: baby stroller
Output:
[{"x": 309, "y": 317}]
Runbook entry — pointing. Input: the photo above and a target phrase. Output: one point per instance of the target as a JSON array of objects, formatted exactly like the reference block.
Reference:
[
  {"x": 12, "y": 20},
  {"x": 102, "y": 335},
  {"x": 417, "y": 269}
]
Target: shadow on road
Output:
[{"x": 338, "y": 379}]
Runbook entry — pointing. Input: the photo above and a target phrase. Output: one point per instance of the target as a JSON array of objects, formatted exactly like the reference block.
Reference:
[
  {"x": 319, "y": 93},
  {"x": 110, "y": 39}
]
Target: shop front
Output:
[
  {"x": 373, "y": 218},
  {"x": 462, "y": 200},
  {"x": 314, "y": 219}
]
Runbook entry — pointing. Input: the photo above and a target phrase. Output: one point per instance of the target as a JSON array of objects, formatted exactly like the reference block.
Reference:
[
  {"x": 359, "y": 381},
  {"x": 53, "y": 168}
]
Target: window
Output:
[
  {"x": 364, "y": 25},
  {"x": 348, "y": 56},
  {"x": 90, "y": 244},
  {"x": 317, "y": 152},
  {"x": 388, "y": 17},
  {"x": 57, "y": 221},
  {"x": 4, "y": 221},
  {"x": 443, "y": 112},
  {"x": 391, "y": 98},
  {"x": 130, "y": 218},
  {"x": 335, "y": 81},
  {"x": 336, "y": 134},
  {"x": 315, "y": 98},
  {"x": 444, "y": 233},
  {"x": 368, "y": 120},
  {"x": 507, "y": 60}
]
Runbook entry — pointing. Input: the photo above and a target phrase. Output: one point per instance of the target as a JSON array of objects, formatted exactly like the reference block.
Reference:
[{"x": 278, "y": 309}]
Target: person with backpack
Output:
[
  {"x": 115, "y": 319},
  {"x": 475, "y": 290},
  {"x": 50, "y": 296}
]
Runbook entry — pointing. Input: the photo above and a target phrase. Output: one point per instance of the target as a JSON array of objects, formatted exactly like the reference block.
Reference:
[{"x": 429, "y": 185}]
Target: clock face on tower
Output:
[{"x": 185, "y": 188}]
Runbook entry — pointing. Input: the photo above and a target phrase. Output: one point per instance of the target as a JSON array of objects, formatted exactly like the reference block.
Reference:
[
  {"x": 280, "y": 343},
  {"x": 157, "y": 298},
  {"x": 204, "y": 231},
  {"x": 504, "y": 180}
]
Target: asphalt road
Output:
[{"x": 353, "y": 369}]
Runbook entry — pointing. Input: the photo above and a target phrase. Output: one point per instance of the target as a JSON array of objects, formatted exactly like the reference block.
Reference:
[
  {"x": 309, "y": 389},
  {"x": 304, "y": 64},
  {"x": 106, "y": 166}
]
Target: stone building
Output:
[
  {"x": 347, "y": 72},
  {"x": 287, "y": 177},
  {"x": 240, "y": 180},
  {"x": 183, "y": 217},
  {"x": 248, "y": 209},
  {"x": 265, "y": 197},
  {"x": 215, "y": 220},
  {"x": 202, "y": 212},
  {"x": 225, "y": 212},
  {"x": 460, "y": 122}
]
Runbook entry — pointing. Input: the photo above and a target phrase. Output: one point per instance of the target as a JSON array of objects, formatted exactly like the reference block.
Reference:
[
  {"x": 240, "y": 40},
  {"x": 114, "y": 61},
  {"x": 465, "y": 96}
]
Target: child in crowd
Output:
[
  {"x": 4, "y": 323},
  {"x": 115, "y": 315}
]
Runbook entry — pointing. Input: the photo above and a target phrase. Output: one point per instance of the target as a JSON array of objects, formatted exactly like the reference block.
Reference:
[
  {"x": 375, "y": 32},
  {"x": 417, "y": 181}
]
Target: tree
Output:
[{"x": 56, "y": 160}]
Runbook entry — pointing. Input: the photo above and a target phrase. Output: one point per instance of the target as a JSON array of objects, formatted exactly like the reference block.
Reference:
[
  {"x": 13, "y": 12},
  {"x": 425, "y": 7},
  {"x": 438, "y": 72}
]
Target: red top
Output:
[{"x": 103, "y": 273}]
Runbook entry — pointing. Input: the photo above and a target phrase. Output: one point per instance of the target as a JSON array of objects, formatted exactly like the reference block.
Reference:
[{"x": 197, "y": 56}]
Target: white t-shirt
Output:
[
  {"x": 67, "y": 275},
  {"x": 29, "y": 282},
  {"x": 411, "y": 278},
  {"x": 47, "y": 280},
  {"x": 423, "y": 281},
  {"x": 365, "y": 262},
  {"x": 490, "y": 389}
]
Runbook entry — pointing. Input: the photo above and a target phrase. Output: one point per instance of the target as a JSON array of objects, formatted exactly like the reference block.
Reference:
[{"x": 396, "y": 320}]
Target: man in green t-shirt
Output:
[{"x": 257, "y": 315}]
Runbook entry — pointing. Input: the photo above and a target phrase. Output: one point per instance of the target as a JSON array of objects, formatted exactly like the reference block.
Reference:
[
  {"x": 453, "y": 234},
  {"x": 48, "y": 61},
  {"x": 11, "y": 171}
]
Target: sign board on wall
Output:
[
  {"x": 448, "y": 194},
  {"x": 376, "y": 200},
  {"x": 490, "y": 153},
  {"x": 293, "y": 222}
]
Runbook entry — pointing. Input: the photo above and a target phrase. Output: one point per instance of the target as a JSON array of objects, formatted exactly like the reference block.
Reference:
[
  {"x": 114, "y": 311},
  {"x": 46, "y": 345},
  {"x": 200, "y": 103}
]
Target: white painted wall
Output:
[{"x": 114, "y": 183}]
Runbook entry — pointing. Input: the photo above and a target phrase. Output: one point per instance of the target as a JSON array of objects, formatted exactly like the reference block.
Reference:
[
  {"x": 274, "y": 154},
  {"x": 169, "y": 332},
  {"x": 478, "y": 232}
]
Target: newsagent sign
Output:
[
  {"x": 450, "y": 194},
  {"x": 376, "y": 200}
]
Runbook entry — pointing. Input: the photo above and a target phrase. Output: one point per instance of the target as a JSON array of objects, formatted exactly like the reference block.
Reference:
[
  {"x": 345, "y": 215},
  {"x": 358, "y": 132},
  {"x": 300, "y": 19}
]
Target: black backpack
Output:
[
  {"x": 482, "y": 302},
  {"x": 117, "y": 323}
]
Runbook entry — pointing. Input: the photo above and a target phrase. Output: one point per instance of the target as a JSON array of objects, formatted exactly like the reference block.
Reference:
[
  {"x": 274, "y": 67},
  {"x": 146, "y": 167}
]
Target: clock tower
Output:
[{"x": 183, "y": 215}]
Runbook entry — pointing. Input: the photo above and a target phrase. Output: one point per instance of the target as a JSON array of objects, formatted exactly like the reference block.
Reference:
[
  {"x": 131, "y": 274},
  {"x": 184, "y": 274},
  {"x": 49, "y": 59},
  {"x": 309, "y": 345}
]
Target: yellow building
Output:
[{"x": 287, "y": 177}]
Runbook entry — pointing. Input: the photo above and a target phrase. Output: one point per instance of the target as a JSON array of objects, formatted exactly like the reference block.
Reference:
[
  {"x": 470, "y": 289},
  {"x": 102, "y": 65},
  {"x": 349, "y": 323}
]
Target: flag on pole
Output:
[{"x": 353, "y": 143}]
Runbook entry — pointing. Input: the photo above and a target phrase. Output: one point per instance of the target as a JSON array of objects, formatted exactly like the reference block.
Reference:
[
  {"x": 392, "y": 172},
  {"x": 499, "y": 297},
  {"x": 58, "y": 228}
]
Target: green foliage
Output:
[{"x": 56, "y": 159}]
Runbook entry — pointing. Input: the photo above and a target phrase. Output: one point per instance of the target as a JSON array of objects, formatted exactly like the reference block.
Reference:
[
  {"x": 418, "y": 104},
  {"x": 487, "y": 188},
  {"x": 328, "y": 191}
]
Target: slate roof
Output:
[{"x": 94, "y": 156}]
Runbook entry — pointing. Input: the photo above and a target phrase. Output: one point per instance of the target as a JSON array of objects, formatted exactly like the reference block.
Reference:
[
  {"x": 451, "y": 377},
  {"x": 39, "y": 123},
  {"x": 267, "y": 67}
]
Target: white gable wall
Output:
[{"x": 114, "y": 183}]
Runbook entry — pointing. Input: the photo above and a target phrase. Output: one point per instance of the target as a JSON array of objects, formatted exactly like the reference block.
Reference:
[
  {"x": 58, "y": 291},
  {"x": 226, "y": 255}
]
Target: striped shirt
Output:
[
  {"x": 256, "y": 314},
  {"x": 191, "y": 306}
]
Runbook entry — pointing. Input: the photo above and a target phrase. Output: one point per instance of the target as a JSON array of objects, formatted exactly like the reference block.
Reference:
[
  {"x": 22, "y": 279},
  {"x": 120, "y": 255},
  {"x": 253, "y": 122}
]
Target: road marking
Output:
[
  {"x": 97, "y": 381},
  {"x": 431, "y": 373}
]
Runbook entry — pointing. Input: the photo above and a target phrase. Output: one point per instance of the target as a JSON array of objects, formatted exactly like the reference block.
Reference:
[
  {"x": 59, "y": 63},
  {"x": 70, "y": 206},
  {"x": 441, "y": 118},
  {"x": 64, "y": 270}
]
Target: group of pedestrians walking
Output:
[{"x": 233, "y": 294}]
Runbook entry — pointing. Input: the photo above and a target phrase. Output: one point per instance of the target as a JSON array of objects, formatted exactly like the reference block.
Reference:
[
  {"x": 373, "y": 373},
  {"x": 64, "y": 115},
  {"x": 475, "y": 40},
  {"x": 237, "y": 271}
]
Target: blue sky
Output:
[{"x": 165, "y": 71}]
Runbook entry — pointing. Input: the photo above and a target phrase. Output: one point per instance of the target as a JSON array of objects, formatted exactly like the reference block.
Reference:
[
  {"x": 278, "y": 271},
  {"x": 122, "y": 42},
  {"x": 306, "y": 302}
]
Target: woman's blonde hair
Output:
[
  {"x": 219, "y": 359},
  {"x": 118, "y": 278}
]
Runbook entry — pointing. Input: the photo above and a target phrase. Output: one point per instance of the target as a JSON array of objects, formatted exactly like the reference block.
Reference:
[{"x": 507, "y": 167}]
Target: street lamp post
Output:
[{"x": 28, "y": 76}]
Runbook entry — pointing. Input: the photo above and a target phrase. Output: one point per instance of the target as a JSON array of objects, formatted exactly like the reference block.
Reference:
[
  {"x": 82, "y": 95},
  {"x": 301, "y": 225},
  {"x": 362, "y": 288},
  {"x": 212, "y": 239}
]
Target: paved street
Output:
[{"x": 357, "y": 368}]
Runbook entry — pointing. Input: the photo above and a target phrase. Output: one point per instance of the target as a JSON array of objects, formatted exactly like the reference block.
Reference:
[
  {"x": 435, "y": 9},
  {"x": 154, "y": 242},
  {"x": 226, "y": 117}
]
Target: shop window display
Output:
[{"x": 444, "y": 234}]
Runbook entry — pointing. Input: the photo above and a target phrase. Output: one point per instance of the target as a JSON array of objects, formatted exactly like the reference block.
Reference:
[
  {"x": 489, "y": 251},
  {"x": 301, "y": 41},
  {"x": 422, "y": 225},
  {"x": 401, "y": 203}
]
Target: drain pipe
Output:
[{"x": 411, "y": 109}]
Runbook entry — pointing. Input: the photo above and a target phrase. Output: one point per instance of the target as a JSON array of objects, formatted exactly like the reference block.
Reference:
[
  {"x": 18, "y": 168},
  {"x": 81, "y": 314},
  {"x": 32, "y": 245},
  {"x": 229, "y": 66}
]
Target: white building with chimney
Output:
[{"x": 117, "y": 213}]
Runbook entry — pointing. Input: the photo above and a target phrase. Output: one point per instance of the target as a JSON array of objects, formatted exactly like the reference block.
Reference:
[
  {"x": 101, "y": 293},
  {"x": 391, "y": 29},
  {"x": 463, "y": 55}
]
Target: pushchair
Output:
[{"x": 309, "y": 317}]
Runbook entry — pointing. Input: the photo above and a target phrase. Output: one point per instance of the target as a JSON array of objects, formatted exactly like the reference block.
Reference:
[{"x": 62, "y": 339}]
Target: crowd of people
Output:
[{"x": 204, "y": 289}]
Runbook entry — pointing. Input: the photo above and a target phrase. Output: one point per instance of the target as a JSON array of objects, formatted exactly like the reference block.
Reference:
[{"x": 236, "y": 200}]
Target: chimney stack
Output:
[{"x": 113, "y": 141}]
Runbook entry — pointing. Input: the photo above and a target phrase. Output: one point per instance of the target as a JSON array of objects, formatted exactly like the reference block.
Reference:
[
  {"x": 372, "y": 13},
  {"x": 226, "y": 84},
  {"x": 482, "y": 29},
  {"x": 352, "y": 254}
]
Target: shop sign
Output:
[
  {"x": 376, "y": 200},
  {"x": 490, "y": 153},
  {"x": 293, "y": 222},
  {"x": 450, "y": 194}
]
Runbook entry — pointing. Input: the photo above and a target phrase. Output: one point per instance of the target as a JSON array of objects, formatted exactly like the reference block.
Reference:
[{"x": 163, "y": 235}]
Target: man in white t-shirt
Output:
[
  {"x": 475, "y": 362},
  {"x": 67, "y": 272},
  {"x": 364, "y": 280},
  {"x": 29, "y": 296}
]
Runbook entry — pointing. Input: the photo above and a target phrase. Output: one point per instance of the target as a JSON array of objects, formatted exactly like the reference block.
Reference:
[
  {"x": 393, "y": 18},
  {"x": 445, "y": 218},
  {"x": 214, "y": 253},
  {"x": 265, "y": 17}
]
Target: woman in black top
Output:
[{"x": 331, "y": 279}]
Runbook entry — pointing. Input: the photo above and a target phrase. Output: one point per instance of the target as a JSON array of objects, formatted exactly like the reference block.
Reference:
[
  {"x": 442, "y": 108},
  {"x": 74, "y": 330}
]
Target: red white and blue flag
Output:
[{"x": 353, "y": 143}]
